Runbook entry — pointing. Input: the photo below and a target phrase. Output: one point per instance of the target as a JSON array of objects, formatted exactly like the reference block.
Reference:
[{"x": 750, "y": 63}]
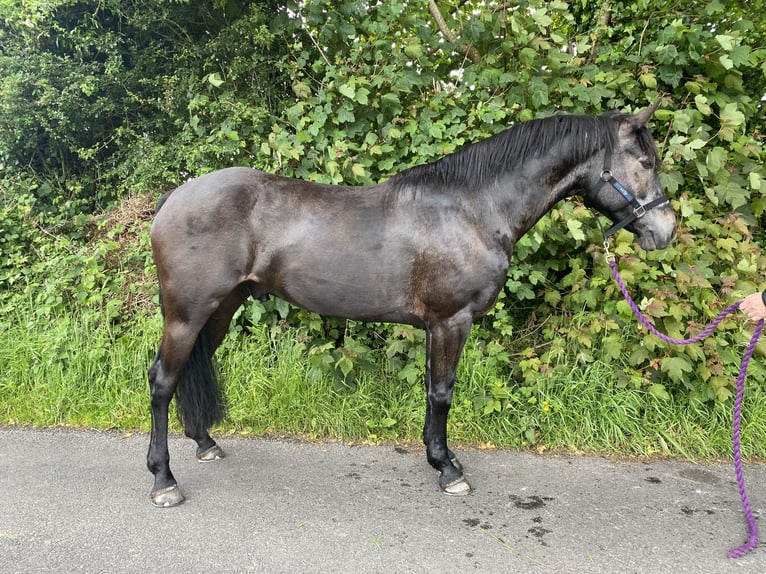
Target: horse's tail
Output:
[
  {"x": 199, "y": 399},
  {"x": 161, "y": 201}
]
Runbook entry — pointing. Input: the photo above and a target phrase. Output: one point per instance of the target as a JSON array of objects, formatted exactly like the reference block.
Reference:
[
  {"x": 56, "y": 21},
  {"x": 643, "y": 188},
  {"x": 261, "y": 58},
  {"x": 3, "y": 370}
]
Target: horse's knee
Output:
[{"x": 161, "y": 385}]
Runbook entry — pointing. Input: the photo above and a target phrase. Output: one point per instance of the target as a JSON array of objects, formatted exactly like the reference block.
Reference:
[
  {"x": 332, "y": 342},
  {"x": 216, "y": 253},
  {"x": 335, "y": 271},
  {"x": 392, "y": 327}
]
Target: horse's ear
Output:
[{"x": 642, "y": 118}]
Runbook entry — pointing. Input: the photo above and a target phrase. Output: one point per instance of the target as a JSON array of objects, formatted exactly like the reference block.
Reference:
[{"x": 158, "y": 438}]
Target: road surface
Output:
[{"x": 77, "y": 501}]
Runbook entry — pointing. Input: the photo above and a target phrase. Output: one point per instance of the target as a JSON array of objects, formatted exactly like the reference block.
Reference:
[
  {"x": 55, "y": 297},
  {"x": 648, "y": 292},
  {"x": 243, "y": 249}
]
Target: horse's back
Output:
[
  {"x": 360, "y": 253},
  {"x": 233, "y": 187}
]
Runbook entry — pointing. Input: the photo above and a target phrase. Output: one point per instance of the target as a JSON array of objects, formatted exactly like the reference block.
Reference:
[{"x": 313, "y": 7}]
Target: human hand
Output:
[{"x": 754, "y": 306}]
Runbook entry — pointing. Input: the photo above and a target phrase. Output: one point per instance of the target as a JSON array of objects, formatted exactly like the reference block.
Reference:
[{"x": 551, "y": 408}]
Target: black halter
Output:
[{"x": 639, "y": 210}]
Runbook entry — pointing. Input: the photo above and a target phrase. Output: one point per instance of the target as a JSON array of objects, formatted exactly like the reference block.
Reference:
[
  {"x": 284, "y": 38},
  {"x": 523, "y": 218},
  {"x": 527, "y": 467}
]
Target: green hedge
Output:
[{"x": 101, "y": 104}]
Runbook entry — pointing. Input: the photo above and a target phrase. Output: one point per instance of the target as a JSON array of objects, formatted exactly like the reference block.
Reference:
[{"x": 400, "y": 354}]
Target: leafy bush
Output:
[
  {"x": 364, "y": 111},
  {"x": 134, "y": 101}
]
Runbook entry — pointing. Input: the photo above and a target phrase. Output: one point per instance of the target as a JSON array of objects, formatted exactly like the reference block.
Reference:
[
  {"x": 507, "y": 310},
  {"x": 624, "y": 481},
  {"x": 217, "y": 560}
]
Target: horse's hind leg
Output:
[
  {"x": 164, "y": 373},
  {"x": 215, "y": 330},
  {"x": 198, "y": 398}
]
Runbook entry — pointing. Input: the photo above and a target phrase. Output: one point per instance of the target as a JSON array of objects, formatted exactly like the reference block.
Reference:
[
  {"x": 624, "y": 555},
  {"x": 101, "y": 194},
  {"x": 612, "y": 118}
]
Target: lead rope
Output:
[{"x": 752, "y": 540}]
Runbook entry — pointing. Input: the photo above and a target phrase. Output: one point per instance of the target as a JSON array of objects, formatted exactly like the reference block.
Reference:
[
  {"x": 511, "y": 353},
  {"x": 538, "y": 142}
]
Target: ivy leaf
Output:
[
  {"x": 726, "y": 62},
  {"x": 347, "y": 90},
  {"x": 715, "y": 159},
  {"x": 361, "y": 96},
  {"x": 676, "y": 368},
  {"x": 755, "y": 180},
  {"x": 658, "y": 390},
  {"x": 215, "y": 80},
  {"x": 357, "y": 169},
  {"x": 346, "y": 116},
  {"x": 731, "y": 116},
  {"x": 390, "y": 102},
  {"x": 701, "y": 102},
  {"x": 726, "y": 42},
  {"x": 575, "y": 228}
]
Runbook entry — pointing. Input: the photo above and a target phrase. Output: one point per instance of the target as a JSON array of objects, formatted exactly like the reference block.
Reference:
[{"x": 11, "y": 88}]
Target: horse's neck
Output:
[{"x": 527, "y": 196}]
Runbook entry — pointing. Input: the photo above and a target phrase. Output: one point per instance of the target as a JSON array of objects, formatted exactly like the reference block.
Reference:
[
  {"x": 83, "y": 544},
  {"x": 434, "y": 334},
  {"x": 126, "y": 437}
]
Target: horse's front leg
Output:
[{"x": 444, "y": 345}]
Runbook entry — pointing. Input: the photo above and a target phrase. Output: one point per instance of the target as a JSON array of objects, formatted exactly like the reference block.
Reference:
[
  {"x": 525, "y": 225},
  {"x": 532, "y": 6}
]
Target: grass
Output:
[
  {"x": 79, "y": 370},
  {"x": 73, "y": 371}
]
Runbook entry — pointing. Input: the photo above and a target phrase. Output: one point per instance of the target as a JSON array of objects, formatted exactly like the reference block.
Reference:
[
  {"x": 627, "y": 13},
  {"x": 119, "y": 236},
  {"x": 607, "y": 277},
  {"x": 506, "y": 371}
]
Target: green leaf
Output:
[
  {"x": 347, "y": 90},
  {"x": 649, "y": 80},
  {"x": 387, "y": 422},
  {"x": 358, "y": 170},
  {"x": 282, "y": 307},
  {"x": 391, "y": 103},
  {"x": 716, "y": 158},
  {"x": 410, "y": 373},
  {"x": 755, "y": 180},
  {"x": 215, "y": 80},
  {"x": 676, "y": 368},
  {"x": 575, "y": 228},
  {"x": 701, "y": 102},
  {"x": 362, "y": 96},
  {"x": 345, "y": 364},
  {"x": 726, "y": 42},
  {"x": 346, "y": 116},
  {"x": 658, "y": 390},
  {"x": 731, "y": 116},
  {"x": 414, "y": 50},
  {"x": 638, "y": 355}
]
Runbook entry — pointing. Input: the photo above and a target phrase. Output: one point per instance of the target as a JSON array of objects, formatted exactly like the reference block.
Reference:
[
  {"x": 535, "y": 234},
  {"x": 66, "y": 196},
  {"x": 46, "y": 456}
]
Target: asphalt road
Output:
[{"x": 73, "y": 501}]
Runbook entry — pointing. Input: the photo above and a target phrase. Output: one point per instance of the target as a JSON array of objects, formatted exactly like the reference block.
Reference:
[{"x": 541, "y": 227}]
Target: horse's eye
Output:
[{"x": 647, "y": 164}]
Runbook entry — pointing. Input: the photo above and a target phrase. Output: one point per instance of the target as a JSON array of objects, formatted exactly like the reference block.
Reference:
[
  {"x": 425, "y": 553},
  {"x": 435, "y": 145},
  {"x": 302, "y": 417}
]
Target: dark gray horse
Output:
[{"x": 430, "y": 247}]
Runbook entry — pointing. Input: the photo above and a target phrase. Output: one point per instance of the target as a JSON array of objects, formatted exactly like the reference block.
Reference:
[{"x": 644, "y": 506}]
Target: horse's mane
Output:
[{"x": 479, "y": 163}]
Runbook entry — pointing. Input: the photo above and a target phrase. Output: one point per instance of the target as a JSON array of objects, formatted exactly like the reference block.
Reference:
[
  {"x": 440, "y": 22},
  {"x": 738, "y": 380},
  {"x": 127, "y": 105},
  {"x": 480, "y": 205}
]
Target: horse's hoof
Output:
[
  {"x": 167, "y": 497},
  {"x": 459, "y": 487},
  {"x": 213, "y": 453}
]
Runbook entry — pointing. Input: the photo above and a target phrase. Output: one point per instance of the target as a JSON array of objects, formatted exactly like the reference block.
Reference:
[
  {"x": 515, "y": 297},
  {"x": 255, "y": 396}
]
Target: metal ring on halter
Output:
[{"x": 608, "y": 256}]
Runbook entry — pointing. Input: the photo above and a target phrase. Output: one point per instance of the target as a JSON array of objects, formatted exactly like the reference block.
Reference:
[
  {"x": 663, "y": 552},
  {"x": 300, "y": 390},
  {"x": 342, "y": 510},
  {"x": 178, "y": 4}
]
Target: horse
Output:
[{"x": 428, "y": 247}]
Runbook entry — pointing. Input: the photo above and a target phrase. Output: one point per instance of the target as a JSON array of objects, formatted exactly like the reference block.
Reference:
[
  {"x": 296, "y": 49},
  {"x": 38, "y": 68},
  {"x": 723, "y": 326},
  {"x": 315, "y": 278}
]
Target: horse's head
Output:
[{"x": 628, "y": 189}]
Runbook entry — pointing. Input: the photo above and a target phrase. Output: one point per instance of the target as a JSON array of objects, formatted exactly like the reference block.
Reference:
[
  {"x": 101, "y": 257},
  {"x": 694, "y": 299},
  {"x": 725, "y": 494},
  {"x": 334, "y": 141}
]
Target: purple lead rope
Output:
[{"x": 752, "y": 541}]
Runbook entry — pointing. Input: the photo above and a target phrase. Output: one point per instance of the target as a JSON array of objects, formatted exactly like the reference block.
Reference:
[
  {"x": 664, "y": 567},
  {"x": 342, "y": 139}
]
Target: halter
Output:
[{"x": 639, "y": 210}]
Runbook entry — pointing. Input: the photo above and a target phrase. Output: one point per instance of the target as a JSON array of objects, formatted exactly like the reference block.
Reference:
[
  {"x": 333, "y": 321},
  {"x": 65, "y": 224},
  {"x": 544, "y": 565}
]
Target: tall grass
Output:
[
  {"x": 80, "y": 370},
  {"x": 74, "y": 370}
]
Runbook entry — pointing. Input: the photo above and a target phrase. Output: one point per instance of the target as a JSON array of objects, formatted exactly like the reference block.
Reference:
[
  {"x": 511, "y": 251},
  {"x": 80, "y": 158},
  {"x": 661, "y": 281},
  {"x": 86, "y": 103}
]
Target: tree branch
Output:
[
  {"x": 603, "y": 22},
  {"x": 465, "y": 49}
]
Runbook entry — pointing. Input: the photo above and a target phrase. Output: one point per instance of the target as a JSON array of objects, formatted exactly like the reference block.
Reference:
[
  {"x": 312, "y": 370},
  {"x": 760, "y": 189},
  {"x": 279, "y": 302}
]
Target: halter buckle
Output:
[{"x": 639, "y": 211}]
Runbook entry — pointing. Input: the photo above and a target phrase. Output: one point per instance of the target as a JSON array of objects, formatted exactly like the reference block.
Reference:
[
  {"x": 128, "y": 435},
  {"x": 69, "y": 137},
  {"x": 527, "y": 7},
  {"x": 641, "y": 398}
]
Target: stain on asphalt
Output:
[
  {"x": 700, "y": 475},
  {"x": 538, "y": 532},
  {"x": 691, "y": 511},
  {"x": 474, "y": 522},
  {"x": 530, "y": 503}
]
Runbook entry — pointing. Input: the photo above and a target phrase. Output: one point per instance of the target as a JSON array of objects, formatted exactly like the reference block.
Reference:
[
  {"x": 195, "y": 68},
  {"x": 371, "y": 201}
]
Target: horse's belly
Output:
[{"x": 359, "y": 291}]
